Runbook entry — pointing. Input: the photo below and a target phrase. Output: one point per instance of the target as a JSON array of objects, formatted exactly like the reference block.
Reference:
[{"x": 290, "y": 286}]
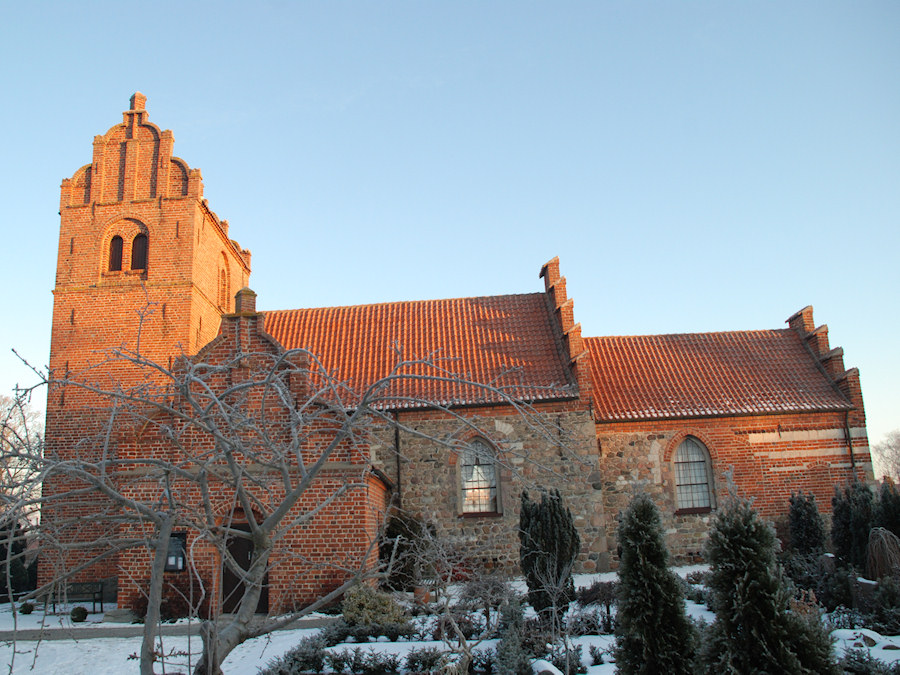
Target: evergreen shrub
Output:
[
  {"x": 653, "y": 634},
  {"x": 754, "y": 629},
  {"x": 78, "y": 614},
  {"x": 851, "y": 520},
  {"x": 806, "y": 525},
  {"x": 548, "y": 547},
  {"x": 364, "y": 605}
]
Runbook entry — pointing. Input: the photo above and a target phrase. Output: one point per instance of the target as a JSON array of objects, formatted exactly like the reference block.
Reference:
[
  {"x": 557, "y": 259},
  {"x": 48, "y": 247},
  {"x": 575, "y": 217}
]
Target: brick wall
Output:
[{"x": 768, "y": 457}]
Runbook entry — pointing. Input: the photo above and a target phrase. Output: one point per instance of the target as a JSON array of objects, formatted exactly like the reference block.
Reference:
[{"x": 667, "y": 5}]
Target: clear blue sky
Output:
[{"x": 697, "y": 166}]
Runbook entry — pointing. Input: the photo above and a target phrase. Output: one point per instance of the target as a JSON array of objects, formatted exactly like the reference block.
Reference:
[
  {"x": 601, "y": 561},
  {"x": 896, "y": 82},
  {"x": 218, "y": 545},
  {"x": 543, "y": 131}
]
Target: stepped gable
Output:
[
  {"x": 506, "y": 340},
  {"x": 708, "y": 374}
]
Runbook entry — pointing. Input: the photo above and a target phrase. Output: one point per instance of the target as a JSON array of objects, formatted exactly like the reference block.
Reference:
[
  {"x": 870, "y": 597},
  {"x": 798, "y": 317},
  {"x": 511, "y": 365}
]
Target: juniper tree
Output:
[
  {"x": 850, "y": 523},
  {"x": 887, "y": 508},
  {"x": 548, "y": 546},
  {"x": 653, "y": 634},
  {"x": 754, "y": 630},
  {"x": 806, "y": 524}
]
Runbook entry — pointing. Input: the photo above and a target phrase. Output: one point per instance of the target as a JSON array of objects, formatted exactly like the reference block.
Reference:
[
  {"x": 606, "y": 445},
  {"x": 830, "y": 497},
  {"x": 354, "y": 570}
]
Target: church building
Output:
[{"x": 496, "y": 394}]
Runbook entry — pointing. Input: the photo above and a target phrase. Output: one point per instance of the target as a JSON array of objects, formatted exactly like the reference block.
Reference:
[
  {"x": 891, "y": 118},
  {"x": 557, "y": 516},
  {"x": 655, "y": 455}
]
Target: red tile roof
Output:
[
  {"x": 707, "y": 374},
  {"x": 508, "y": 340}
]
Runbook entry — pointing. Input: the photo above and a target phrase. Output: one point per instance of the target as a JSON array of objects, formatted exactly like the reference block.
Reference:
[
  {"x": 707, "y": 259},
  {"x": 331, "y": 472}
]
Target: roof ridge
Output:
[
  {"x": 716, "y": 332},
  {"x": 403, "y": 302}
]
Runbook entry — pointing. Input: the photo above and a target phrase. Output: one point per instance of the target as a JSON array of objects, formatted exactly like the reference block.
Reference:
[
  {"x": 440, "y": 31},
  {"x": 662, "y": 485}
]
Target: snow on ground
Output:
[{"x": 109, "y": 656}]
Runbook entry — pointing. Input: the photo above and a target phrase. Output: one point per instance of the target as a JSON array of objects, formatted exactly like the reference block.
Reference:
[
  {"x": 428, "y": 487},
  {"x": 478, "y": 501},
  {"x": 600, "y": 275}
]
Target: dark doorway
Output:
[{"x": 241, "y": 550}]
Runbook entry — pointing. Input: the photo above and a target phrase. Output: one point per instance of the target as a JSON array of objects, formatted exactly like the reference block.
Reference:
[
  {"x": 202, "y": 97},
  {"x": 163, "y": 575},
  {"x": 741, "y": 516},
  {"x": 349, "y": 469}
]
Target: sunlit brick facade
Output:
[{"x": 145, "y": 265}]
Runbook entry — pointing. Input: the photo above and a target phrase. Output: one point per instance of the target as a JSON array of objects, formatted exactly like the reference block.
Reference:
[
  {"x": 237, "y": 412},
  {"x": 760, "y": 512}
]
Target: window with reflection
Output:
[
  {"x": 693, "y": 477},
  {"x": 478, "y": 476}
]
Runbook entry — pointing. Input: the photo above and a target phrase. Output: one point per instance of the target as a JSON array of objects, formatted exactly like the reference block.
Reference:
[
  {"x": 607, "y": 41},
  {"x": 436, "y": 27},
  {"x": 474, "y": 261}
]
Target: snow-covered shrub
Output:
[
  {"x": 307, "y": 657},
  {"x": 754, "y": 630},
  {"x": 484, "y": 660},
  {"x": 365, "y": 606},
  {"x": 512, "y": 656},
  {"x": 653, "y": 633},
  {"x": 596, "y": 655},
  {"x": 567, "y": 658},
  {"x": 859, "y": 661},
  {"x": 424, "y": 660},
  {"x": 590, "y": 621}
]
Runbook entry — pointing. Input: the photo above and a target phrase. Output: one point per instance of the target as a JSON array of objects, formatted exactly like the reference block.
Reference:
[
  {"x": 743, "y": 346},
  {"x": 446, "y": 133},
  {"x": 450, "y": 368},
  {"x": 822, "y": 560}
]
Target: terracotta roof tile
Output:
[
  {"x": 705, "y": 374},
  {"x": 508, "y": 340}
]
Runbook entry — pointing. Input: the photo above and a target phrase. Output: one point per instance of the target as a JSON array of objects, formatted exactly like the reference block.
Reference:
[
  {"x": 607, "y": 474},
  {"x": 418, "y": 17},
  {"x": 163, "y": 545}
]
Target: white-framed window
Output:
[
  {"x": 478, "y": 479},
  {"x": 693, "y": 477}
]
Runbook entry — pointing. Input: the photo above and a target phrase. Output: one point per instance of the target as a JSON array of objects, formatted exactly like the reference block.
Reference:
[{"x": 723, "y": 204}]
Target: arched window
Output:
[
  {"x": 693, "y": 477},
  {"x": 139, "y": 252},
  {"x": 478, "y": 479},
  {"x": 115, "y": 254}
]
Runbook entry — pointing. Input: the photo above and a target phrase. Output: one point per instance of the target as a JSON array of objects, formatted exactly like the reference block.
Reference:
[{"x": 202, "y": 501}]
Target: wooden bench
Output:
[{"x": 82, "y": 591}]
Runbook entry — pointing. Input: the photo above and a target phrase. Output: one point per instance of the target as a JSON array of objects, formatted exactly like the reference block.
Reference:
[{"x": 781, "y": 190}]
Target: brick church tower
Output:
[{"x": 144, "y": 265}]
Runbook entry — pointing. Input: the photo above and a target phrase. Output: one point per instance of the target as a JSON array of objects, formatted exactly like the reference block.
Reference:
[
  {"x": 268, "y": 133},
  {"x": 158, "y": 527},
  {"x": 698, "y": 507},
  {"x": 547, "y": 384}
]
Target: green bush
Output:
[
  {"x": 512, "y": 656},
  {"x": 424, "y": 660},
  {"x": 858, "y": 661},
  {"x": 806, "y": 524},
  {"x": 755, "y": 628},
  {"x": 567, "y": 659},
  {"x": 400, "y": 546},
  {"x": 653, "y": 633},
  {"x": 78, "y": 614},
  {"x": 366, "y": 606},
  {"x": 887, "y": 509},
  {"x": 548, "y": 547},
  {"x": 307, "y": 657},
  {"x": 851, "y": 520}
]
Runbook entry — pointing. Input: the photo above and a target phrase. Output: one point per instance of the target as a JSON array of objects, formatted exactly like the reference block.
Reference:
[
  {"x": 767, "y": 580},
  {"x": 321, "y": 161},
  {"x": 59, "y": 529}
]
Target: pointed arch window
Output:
[
  {"x": 478, "y": 479},
  {"x": 693, "y": 477},
  {"x": 139, "y": 249},
  {"x": 115, "y": 254}
]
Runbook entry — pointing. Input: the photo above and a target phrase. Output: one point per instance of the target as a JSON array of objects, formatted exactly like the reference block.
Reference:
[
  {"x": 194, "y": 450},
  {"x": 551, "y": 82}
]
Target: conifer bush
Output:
[
  {"x": 548, "y": 547},
  {"x": 851, "y": 520},
  {"x": 512, "y": 657},
  {"x": 887, "y": 509},
  {"x": 806, "y": 525},
  {"x": 754, "y": 630},
  {"x": 653, "y": 634}
]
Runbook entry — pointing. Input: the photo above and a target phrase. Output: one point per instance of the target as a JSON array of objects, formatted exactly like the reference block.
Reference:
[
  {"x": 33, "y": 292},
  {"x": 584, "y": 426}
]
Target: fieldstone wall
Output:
[{"x": 552, "y": 449}]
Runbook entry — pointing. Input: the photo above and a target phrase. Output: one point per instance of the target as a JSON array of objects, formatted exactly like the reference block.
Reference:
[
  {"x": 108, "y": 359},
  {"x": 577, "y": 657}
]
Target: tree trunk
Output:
[{"x": 154, "y": 596}]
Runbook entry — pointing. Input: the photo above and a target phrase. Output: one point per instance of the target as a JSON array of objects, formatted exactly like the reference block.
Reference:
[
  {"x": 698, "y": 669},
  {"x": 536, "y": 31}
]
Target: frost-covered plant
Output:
[
  {"x": 484, "y": 660},
  {"x": 307, "y": 657},
  {"x": 653, "y": 633},
  {"x": 512, "y": 657},
  {"x": 424, "y": 659},
  {"x": 567, "y": 658},
  {"x": 365, "y": 606},
  {"x": 754, "y": 630}
]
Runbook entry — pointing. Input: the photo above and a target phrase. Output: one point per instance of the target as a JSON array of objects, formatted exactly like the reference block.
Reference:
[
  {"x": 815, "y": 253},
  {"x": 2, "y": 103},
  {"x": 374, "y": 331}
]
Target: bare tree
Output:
[
  {"x": 235, "y": 445},
  {"x": 888, "y": 453}
]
